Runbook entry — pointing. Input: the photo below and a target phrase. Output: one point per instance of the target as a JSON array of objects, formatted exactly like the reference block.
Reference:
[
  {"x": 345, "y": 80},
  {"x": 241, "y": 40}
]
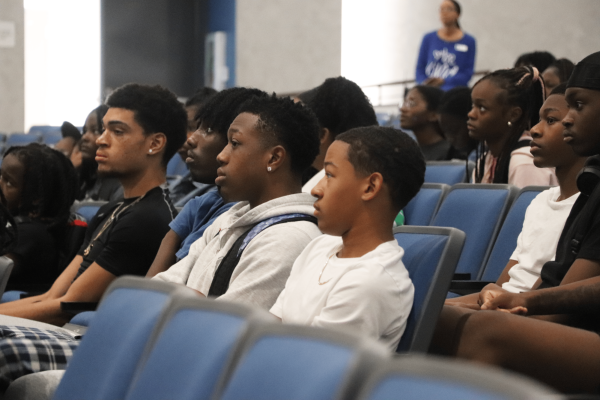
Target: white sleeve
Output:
[
  {"x": 276, "y": 310},
  {"x": 265, "y": 265},
  {"x": 180, "y": 271},
  {"x": 362, "y": 302}
]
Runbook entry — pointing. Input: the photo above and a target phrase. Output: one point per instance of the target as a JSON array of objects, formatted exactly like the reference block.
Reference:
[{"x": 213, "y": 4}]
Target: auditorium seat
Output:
[
  {"x": 504, "y": 245},
  {"x": 448, "y": 172},
  {"x": 22, "y": 139},
  {"x": 421, "y": 209},
  {"x": 414, "y": 377},
  {"x": 87, "y": 209},
  {"x": 430, "y": 256},
  {"x": 176, "y": 167},
  {"x": 195, "y": 344},
  {"x": 478, "y": 210},
  {"x": 104, "y": 363},
  {"x": 302, "y": 363}
]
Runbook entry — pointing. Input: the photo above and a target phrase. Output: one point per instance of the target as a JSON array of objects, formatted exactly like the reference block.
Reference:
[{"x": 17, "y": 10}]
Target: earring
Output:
[
  {"x": 150, "y": 151},
  {"x": 269, "y": 169},
  {"x": 509, "y": 123}
]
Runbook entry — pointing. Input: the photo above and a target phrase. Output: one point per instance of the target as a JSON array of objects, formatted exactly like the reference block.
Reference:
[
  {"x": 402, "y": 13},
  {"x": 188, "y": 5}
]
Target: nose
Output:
[
  {"x": 471, "y": 114},
  {"x": 192, "y": 140},
  {"x": 101, "y": 140},
  {"x": 223, "y": 156},
  {"x": 536, "y": 131},
  {"x": 317, "y": 191},
  {"x": 567, "y": 120}
]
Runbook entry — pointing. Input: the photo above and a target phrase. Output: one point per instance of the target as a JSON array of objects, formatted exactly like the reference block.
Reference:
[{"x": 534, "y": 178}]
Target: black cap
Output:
[
  {"x": 69, "y": 130},
  {"x": 586, "y": 73}
]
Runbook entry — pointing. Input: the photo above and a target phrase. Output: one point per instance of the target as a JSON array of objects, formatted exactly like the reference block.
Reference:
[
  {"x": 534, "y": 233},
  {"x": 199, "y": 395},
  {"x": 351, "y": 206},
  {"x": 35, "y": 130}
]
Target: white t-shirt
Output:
[
  {"x": 372, "y": 294},
  {"x": 544, "y": 221}
]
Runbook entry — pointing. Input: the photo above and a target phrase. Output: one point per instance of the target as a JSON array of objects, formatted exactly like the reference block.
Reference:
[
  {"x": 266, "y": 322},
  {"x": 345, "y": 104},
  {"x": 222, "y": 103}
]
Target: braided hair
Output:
[
  {"x": 49, "y": 184},
  {"x": 524, "y": 89}
]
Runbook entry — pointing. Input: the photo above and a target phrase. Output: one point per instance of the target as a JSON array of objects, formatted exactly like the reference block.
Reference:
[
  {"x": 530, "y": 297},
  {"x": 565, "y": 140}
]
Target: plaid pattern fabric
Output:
[{"x": 27, "y": 350}]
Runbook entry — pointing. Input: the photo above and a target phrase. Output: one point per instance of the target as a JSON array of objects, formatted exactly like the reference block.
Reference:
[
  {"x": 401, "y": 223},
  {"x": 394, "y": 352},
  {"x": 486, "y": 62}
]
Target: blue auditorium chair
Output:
[
  {"x": 430, "y": 256},
  {"x": 104, "y": 364},
  {"x": 176, "y": 167},
  {"x": 196, "y": 342},
  {"x": 504, "y": 245},
  {"x": 448, "y": 172},
  {"x": 88, "y": 209},
  {"x": 22, "y": 139},
  {"x": 478, "y": 210},
  {"x": 44, "y": 129},
  {"x": 51, "y": 138},
  {"x": 301, "y": 363},
  {"x": 421, "y": 209},
  {"x": 414, "y": 377}
]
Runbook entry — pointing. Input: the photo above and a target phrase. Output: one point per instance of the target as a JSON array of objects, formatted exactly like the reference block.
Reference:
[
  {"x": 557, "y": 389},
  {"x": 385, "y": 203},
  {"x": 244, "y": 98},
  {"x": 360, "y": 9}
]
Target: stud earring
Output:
[
  {"x": 269, "y": 169},
  {"x": 509, "y": 123},
  {"x": 150, "y": 151}
]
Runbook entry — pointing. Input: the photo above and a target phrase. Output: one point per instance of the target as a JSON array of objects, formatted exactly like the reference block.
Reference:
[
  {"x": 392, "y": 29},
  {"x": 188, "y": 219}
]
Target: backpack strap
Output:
[{"x": 220, "y": 282}]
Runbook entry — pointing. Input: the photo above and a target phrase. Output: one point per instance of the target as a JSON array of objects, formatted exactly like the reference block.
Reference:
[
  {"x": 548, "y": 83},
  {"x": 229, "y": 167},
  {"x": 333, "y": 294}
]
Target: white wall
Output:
[
  {"x": 287, "y": 45},
  {"x": 11, "y": 70},
  {"x": 381, "y": 38}
]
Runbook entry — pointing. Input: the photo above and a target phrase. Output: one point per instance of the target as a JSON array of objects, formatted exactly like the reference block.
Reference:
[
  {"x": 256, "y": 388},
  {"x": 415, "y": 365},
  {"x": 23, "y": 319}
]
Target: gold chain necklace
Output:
[
  {"x": 323, "y": 270},
  {"x": 118, "y": 211}
]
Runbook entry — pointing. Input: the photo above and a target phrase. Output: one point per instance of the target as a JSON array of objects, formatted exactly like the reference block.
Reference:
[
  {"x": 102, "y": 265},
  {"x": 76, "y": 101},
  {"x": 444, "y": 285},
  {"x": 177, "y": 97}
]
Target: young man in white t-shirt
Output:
[
  {"x": 352, "y": 278},
  {"x": 546, "y": 215}
]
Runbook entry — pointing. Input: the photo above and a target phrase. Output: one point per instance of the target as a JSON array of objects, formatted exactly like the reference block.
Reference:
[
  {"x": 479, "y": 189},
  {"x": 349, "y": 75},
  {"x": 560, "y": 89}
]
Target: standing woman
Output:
[{"x": 447, "y": 56}]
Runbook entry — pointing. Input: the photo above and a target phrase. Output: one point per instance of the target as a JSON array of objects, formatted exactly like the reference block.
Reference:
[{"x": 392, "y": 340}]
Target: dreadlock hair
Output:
[
  {"x": 155, "y": 109},
  {"x": 220, "y": 111},
  {"x": 200, "y": 97},
  {"x": 49, "y": 183},
  {"x": 340, "y": 105},
  {"x": 291, "y": 125},
  {"x": 393, "y": 154},
  {"x": 539, "y": 59},
  {"x": 524, "y": 89}
]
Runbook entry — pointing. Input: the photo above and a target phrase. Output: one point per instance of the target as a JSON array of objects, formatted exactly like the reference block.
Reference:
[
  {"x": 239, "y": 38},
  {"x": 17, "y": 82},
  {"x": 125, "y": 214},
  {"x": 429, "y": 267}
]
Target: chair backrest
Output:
[
  {"x": 176, "y": 166},
  {"x": 448, "y": 172},
  {"x": 478, "y": 210},
  {"x": 44, "y": 129},
  {"x": 300, "y": 362},
  {"x": 195, "y": 344},
  {"x": 104, "y": 364},
  {"x": 506, "y": 242},
  {"x": 419, "y": 378},
  {"x": 51, "y": 138},
  {"x": 6, "y": 266},
  {"x": 421, "y": 209},
  {"x": 88, "y": 209},
  {"x": 430, "y": 256},
  {"x": 22, "y": 139}
]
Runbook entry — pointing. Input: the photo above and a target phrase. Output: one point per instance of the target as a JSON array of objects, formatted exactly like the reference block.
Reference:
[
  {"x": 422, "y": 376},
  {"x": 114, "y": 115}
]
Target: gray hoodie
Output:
[{"x": 266, "y": 262}]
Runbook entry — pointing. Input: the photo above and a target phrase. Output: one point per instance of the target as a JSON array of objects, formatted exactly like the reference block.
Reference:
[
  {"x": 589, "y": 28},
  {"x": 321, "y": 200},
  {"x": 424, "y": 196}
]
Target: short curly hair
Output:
[
  {"x": 156, "y": 109},
  {"x": 340, "y": 105},
  {"x": 393, "y": 154},
  {"x": 431, "y": 95},
  {"x": 291, "y": 125},
  {"x": 220, "y": 111},
  {"x": 200, "y": 97}
]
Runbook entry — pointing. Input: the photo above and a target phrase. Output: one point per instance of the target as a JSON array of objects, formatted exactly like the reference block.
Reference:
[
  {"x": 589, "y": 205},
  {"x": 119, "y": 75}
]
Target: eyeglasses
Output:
[
  {"x": 447, "y": 9},
  {"x": 407, "y": 103}
]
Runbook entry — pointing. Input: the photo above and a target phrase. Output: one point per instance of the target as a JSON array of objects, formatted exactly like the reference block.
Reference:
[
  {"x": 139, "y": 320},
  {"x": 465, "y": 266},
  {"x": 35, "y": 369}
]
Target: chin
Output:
[{"x": 107, "y": 173}]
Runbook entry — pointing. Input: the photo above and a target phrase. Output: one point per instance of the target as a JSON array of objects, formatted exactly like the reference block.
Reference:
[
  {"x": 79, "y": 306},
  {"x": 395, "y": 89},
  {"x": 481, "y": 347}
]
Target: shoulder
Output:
[
  {"x": 293, "y": 233},
  {"x": 467, "y": 38}
]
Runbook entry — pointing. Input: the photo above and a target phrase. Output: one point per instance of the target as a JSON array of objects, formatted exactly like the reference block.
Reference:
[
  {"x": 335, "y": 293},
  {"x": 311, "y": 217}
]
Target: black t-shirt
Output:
[
  {"x": 37, "y": 253},
  {"x": 589, "y": 246},
  {"x": 128, "y": 245},
  {"x": 436, "y": 152}
]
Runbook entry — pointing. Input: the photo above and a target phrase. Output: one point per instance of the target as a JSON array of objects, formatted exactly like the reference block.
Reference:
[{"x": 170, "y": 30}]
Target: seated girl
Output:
[
  {"x": 546, "y": 215},
  {"x": 419, "y": 114},
  {"x": 37, "y": 186},
  {"x": 353, "y": 278},
  {"x": 505, "y": 105}
]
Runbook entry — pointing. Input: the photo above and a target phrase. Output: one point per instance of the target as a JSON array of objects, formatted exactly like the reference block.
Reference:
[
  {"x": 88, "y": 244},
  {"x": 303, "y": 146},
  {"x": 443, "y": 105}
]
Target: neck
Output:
[
  {"x": 427, "y": 135},
  {"x": 567, "y": 178},
  {"x": 139, "y": 184},
  {"x": 496, "y": 146},
  {"x": 277, "y": 186},
  {"x": 364, "y": 237}
]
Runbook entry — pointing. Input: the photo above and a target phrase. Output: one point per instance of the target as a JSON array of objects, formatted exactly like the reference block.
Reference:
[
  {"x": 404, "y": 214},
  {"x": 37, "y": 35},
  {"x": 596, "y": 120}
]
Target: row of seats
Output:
[
  {"x": 154, "y": 340},
  {"x": 491, "y": 215}
]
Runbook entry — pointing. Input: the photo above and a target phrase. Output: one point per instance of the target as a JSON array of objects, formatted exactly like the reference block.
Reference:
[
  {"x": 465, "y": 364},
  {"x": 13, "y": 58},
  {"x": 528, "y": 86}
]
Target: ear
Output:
[
  {"x": 277, "y": 156},
  {"x": 326, "y": 136},
  {"x": 514, "y": 114},
  {"x": 373, "y": 185},
  {"x": 158, "y": 141}
]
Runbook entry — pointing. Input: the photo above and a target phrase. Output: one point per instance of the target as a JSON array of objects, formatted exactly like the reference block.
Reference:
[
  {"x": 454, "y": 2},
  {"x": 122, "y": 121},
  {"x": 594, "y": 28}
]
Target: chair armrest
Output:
[
  {"x": 467, "y": 287},
  {"x": 75, "y": 307}
]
